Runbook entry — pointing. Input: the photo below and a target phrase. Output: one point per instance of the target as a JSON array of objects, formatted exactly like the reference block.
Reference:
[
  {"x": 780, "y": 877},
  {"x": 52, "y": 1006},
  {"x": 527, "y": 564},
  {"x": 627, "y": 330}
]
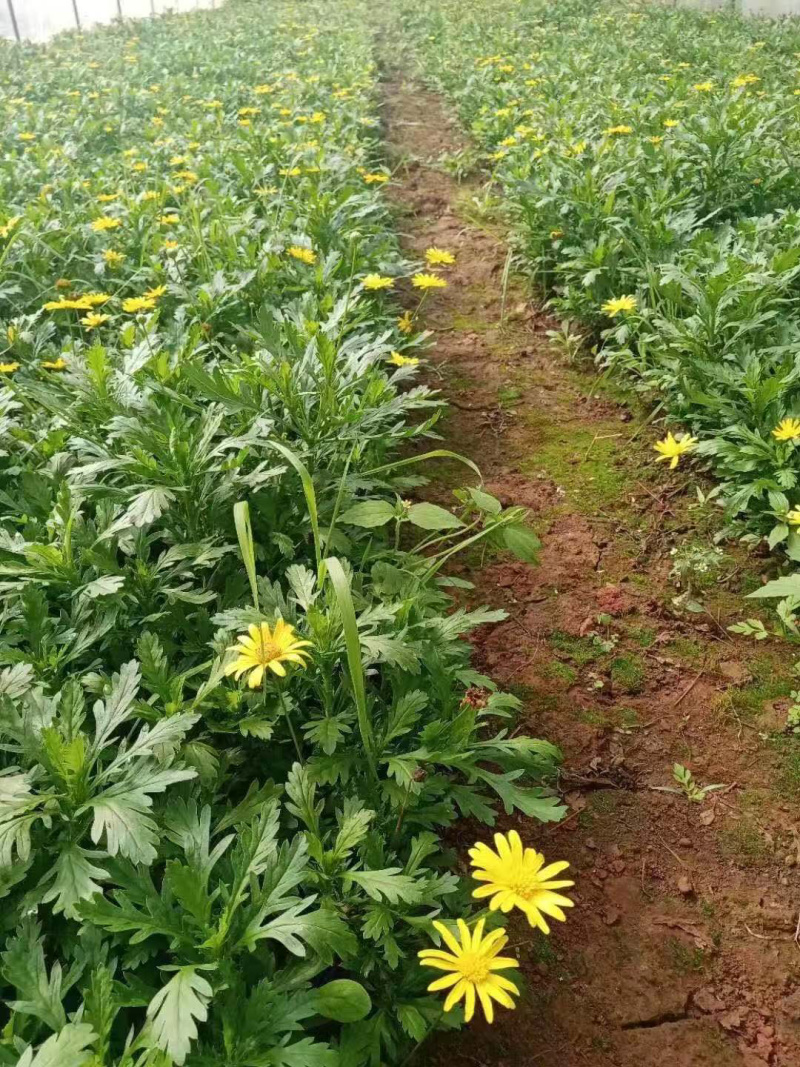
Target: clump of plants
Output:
[
  {"x": 656, "y": 206},
  {"x": 237, "y": 710}
]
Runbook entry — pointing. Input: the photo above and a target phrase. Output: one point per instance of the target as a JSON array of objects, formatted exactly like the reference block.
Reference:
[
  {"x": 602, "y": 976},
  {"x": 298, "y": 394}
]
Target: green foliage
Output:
[
  {"x": 653, "y": 152},
  {"x": 195, "y": 871}
]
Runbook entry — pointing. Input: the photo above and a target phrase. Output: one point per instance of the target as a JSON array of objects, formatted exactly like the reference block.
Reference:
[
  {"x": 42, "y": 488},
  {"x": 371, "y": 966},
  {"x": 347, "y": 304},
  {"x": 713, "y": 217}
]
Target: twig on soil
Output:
[
  {"x": 598, "y": 437},
  {"x": 689, "y": 687},
  {"x": 559, "y": 825},
  {"x": 764, "y": 937},
  {"x": 797, "y": 931},
  {"x": 469, "y": 407},
  {"x": 647, "y": 421},
  {"x": 675, "y": 854},
  {"x": 659, "y": 500}
]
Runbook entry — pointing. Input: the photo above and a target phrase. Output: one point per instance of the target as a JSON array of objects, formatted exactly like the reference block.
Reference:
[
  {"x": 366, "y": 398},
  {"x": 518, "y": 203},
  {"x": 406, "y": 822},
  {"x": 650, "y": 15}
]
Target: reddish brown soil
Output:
[{"x": 682, "y": 948}]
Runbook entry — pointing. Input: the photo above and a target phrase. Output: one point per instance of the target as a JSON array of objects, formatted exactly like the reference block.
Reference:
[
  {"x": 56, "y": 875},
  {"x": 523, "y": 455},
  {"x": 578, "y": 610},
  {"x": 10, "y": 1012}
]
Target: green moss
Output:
[
  {"x": 508, "y": 395},
  {"x": 685, "y": 959},
  {"x": 770, "y": 682},
  {"x": 628, "y": 674},
  {"x": 686, "y": 648},
  {"x": 470, "y": 323},
  {"x": 628, "y": 717},
  {"x": 788, "y": 778},
  {"x": 604, "y": 802},
  {"x": 584, "y": 462},
  {"x": 534, "y": 696},
  {"x": 581, "y": 650},
  {"x": 561, "y": 672},
  {"x": 644, "y": 636},
  {"x": 743, "y": 843},
  {"x": 610, "y": 717}
]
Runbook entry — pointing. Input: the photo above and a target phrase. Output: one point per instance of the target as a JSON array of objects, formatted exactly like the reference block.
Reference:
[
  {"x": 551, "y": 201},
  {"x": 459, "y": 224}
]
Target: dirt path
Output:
[{"x": 681, "y": 950}]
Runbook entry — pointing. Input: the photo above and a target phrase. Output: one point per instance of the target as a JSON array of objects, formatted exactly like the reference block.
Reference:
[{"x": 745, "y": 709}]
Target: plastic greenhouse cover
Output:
[{"x": 38, "y": 20}]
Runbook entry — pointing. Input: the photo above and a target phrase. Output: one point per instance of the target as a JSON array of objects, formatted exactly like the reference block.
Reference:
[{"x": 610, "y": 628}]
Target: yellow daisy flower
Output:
[
  {"x": 428, "y": 281},
  {"x": 376, "y": 281},
  {"x": 112, "y": 257},
  {"x": 472, "y": 965},
  {"x": 672, "y": 449},
  {"x": 154, "y": 294},
  {"x": 403, "y": 361},
  {"x": 619, "y": 129},
  {"x": 8, "y": 368},
  {"x": 517, "y": 878},
  {"x": 54, "y": 364},
  {"x": 787, "y": 430},
  {"x": 265, "y": 648},
  {"x": 105, "y": 223},
  {"x": 93, "y": 320},
  {"x": 405, "y": 323},
  {"x": 439, "y": 257},
  {"x": 305, "y": 255},
  {"x": 792, "y": 517},
  {"x": 135, "y": 304},
  {"x": 612, "y": 308}
]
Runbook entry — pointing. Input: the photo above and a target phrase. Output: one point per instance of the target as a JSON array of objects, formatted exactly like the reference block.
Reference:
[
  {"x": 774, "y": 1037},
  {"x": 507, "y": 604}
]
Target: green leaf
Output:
[
  {"x": 788, "y": 586},
  {"x": 120, "y": 812},
  {"x": 174, "y": 1010},
  {"x": 68, "y": 1048},
  {"x": 368, "y": 514},
  {"x": 778, "y": 533},
  {"x": 534, "y": 802},
  {"x": 353, "y": 828},
  {"x": 342, "y": 1000},
  {"x": 523, "y": 542},
  {"x": 388, "y": 884},
  {"x": 303, "y": 583},
  {"x": 244, "y": 532},
  {"x": 383, "y": 648},
  {"x": 341, "y": 585},
  {"x": 486, "y": 502},
  {"x": 304, "y": 1053},
  {"x": 24, "y": 967},
  {"x": 19, "y": 810},
  {"x": 322, "y": 930},
  {"x": 432, "y": 517},
  {"x": 73, "y": 874},
  {"x": 110, "y": 713}
]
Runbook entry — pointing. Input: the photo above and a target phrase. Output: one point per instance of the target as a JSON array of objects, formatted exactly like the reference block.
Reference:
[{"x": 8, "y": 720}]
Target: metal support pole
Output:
[
  {"x": 77, "y": 16},
  {"x": 13, "y": 15},
  {"x": 119, "y": 8}
]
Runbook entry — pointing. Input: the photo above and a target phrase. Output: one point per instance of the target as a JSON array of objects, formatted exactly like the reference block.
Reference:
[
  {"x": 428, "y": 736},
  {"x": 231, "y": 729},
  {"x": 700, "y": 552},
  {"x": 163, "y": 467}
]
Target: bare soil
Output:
[{"x": 683, "y": 947}]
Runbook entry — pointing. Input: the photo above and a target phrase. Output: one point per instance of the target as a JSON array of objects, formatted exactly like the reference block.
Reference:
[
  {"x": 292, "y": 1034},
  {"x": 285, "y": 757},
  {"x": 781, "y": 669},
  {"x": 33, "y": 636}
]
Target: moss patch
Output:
[{"x": 628, "y": 674}]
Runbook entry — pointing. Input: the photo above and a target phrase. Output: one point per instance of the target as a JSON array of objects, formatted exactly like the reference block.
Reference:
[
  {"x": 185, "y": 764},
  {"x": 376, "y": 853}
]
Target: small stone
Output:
[
  {"x": 591, "y": 843},
  {"x": 611, "y": 916},
  {"x": 685, "y": 885},
  {"x": 685, "y": 842},
  {"x": 790, "y": 1006},
  {"x": 731, "y": 1020},
  {"x": 705, "y": 1001},
  {"x": 617, "y": 867},
  {"x": 790, "y": 861}
]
